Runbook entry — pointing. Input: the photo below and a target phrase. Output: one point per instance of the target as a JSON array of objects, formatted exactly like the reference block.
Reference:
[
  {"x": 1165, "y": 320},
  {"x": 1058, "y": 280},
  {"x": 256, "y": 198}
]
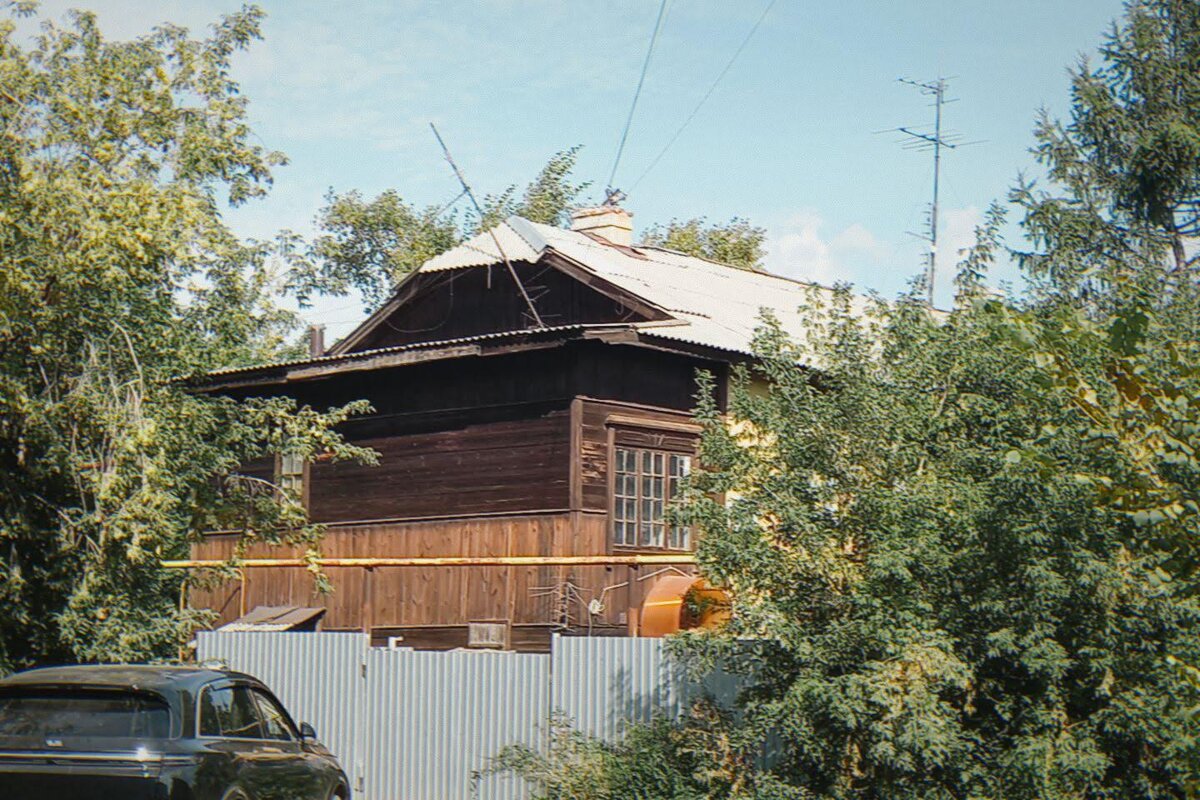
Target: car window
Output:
[
  {"x": 210, "y": 725},
  {"x": 62, "y": 713},
  {"x": 276, "y": 724},
  {"x": 230, "y": 712}
]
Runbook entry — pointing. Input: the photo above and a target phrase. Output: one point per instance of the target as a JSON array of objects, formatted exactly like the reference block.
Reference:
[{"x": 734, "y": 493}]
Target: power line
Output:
[
  {"x": 491, "y": 231},
  {"x": 707, "y": 94},
  {"x": 662, "y": 9}
]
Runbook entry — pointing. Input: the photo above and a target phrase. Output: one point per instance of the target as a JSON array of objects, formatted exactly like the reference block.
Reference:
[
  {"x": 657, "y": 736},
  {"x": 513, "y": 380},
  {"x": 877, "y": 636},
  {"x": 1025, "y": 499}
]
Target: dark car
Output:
[{"x": 160, "y": 733}]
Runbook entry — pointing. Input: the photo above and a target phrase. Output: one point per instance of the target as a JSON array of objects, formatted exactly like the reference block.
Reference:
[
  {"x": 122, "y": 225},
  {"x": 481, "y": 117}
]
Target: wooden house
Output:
[{"x": 532, "y": 391}]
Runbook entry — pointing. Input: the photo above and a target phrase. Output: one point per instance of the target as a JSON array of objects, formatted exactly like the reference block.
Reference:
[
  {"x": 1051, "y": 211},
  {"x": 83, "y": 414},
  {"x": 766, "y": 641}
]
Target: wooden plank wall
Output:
[
  {"x": 497, "y": 467},
  {"x": 392, "y": 597},
  {"x": 469, "y": 302},
  {"x": 593, "y": 418},
  {"x": 508, "y": 464}
]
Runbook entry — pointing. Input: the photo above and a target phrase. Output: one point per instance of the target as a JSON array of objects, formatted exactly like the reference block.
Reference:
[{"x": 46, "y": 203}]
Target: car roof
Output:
[{"x": 160, "y": 679}]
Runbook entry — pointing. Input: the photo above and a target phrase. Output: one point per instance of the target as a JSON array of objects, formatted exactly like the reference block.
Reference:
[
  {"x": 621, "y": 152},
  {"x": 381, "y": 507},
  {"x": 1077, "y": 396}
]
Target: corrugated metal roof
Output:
[
  {"x": 480, "y": 250},
  {"x": 361, "y": 354},
  {"x": 713, "y": 305},
  {"x": 275, "y": 618},
  {"x": 720, "y": 306}
]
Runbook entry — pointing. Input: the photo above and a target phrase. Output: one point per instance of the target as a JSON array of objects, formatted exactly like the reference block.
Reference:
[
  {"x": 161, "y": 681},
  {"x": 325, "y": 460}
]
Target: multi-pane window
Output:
[
  {"x": 645, "y": 481},
  {"x": 291, "y": 475}
]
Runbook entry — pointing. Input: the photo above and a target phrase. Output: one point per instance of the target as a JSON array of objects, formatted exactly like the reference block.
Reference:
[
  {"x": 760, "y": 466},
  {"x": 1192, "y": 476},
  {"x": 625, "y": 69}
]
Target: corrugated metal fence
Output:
[
  {"x": 319, "y": 678},
  {"x": 436, "y": 717},
  {"x": 415, "y": 725}
]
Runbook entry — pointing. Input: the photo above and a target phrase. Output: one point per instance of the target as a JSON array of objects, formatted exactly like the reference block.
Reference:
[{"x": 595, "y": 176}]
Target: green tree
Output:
[
  {"x": 1126, "y": 167},
  {"x": 370, "y": 245},
  {"x": 366, "y": 245},
  {"x": 118, "y": 275},
  {"x": 736, "y": 243},
  {"x": 653, "y": 761},
  {"x": 1113, "y": 235},
  {"x": 945, "y": 608},
  {"x": 965, "y": 548}
]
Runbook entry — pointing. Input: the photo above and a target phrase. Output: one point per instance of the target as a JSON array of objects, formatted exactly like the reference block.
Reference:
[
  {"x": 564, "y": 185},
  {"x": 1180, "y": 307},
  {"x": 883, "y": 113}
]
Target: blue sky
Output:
[{"x": 347, "y": 90}]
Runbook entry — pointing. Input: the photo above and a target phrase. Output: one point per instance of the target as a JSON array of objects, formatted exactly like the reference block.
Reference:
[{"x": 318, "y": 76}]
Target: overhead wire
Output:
[
  {"x": 662, "y": 9},
  {"x": 491, "y": 231},
  {"x": 728, "y": 65}
]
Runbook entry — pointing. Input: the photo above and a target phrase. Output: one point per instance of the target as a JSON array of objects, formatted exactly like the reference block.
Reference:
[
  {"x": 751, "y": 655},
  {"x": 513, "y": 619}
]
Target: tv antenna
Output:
[
  {"x": 916, "y": 139},
  {"x": 466, "y": 189}
]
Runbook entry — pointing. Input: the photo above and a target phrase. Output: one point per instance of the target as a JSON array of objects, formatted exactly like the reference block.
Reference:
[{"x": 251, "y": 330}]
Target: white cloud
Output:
[
  {"x": 957, "y": 236},
  {"x": 799, "y": 248}
]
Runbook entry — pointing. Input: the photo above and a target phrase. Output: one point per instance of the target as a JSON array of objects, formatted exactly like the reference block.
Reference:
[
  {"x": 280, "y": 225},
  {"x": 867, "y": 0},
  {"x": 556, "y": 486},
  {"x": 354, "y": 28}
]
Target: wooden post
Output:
[
  {"x": 242, "y": 595},
  {"x": 368, "y": 600}
]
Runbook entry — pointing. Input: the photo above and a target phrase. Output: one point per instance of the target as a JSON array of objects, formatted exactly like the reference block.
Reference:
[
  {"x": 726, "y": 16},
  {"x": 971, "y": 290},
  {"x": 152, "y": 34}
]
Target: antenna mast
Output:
[
  {"x": 533, "y": 312},
  {"x": 924, "y": 141}
]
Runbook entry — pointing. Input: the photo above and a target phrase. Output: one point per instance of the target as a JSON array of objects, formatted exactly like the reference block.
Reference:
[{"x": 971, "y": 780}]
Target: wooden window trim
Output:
[
  {"x": 668, "y": 480},
  {"x": 614, "y": 423},
  {"x": 672, "y": 426}
]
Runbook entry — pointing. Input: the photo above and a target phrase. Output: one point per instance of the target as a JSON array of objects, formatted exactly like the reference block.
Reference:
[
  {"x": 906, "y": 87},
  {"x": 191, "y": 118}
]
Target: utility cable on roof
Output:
[
  {"x": 707, "y": 94},
  {"x": 491, "y": 231},
  {"x": 662, "y": 9}
]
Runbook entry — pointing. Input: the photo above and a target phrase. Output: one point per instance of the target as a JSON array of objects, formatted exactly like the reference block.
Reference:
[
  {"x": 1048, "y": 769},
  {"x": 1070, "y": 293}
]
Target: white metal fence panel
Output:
[
  {"x": 415, "y": 725},
  {"x": 434, "y": 718},
  {"x": 602, "y": 684},
  {"x": 318, "y": 676}
]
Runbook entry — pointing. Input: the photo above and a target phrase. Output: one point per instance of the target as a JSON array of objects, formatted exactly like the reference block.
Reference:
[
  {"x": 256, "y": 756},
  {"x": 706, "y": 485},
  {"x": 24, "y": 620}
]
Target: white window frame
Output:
[
  {"x": 641, "y": 496},
  {"x": 292, "y": 476}
]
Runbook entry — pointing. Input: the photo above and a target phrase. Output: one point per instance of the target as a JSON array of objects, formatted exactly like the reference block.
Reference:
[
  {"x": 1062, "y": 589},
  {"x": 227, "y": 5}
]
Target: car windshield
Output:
[{"x": 53, "y": 714}]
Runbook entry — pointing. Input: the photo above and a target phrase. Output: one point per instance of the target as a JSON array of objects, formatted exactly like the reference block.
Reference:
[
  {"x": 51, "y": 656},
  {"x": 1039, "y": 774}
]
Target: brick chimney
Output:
[
  {"x": 316, "y": 340},
  {"x": 609, "y": 222}
]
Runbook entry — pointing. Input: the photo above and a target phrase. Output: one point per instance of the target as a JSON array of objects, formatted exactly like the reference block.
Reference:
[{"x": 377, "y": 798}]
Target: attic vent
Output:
[{"x": 488, "y": 635}]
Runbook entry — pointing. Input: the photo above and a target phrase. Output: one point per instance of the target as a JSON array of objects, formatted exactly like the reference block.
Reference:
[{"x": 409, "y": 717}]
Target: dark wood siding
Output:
[
  {"x": 469, "y": 302},
  {"x": 597, "y": 418},
  {"x": 395, "y": 598},
  {"x": 639, "y": 375},
  {"x": 487, "y": 435},
  {"x": 487, "y": 456},
  {"x": 485, "y": 468}
]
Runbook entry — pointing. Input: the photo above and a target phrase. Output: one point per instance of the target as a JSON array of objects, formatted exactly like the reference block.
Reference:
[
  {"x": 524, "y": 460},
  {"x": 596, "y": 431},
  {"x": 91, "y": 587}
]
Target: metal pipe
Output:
[{"x": 470, "y": 561}]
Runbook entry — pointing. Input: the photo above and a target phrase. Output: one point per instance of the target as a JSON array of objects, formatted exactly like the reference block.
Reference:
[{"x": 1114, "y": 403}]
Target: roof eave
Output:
[{"x": 401, "y": 355}]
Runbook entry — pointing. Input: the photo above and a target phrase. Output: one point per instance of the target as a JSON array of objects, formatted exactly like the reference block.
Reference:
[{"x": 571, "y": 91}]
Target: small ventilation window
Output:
[{"x": 290, "y": 474}]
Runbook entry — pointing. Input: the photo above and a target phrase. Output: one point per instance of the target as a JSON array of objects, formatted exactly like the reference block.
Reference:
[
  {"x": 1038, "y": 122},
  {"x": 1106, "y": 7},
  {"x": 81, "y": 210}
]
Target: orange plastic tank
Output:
[{"x": 682, "y": 602}]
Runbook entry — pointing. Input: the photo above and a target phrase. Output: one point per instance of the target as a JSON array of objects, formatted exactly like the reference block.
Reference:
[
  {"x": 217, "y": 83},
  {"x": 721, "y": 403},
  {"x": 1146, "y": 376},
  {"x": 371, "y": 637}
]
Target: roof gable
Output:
[
  {"x": 453, "y": 303},
  {"x": 678, "y": 297},
  {"x": 587, "y": 287}
]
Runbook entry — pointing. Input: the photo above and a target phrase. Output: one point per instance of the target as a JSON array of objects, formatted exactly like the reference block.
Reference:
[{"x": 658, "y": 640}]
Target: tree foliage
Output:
[
  {"x": 1126, "y": 168},
  {"x": 117, "y": 275},
  {"x": 370, "y": 245},
  {"x": 946, "y": 609},
  {"x": 652, "y": 761},
  {"x": 964, "y": 549},
  {"x": 736, "y": 243}
]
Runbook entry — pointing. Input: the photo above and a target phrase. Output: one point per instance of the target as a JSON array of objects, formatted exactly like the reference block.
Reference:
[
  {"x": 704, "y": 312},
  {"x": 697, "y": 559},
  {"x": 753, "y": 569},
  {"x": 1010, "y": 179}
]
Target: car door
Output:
[
  {"x": 233, "y": 726},
  {"x": 293, "y": 768}
]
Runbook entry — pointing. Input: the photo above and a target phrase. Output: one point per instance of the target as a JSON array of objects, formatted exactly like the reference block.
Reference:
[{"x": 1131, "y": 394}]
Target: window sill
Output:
[{"x": 632, "y": 549}]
